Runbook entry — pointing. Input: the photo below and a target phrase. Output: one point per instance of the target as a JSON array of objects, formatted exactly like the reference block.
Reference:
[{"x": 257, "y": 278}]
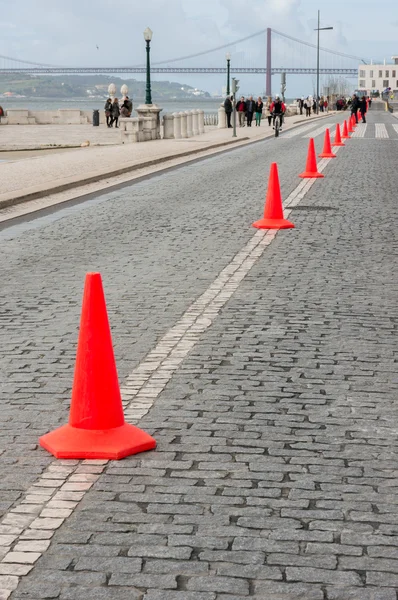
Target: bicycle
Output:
[{"x": 277, "y": 123}]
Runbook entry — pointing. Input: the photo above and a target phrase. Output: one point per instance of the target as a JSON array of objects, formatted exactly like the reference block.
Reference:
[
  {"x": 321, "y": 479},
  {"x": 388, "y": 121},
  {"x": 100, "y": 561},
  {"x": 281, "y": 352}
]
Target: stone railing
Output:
[
  {"x": 183, "y": 124},
  {"x": 138, "y": 129},
  {"x": 211, "y": 119},
  {"x": 62, "y": 116}
]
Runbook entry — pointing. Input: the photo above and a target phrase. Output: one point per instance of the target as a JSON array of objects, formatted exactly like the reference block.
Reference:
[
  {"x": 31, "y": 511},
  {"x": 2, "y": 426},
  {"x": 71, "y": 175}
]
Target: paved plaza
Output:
[{"x": 263, "y": 363}]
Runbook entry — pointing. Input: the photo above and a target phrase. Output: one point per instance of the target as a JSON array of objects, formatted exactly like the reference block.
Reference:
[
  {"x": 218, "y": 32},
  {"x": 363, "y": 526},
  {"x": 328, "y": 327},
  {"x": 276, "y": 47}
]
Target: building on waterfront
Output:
[{"x": 372, "y": 78}]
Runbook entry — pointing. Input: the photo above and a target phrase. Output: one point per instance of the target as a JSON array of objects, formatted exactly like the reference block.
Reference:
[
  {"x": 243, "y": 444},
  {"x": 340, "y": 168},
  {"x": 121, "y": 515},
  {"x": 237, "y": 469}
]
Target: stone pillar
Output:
[
  {"x": 151, "y": 110},
  {"x": 189, "y": 123},
  {"x": 168, "y": 127},
  {"x": 195, "y": 122},
  {"x": 177, "y": 126},
  {"x": 201, "y": 119},
  {"x": 222, "y": 118},
  {"x": 184, "y": 133}
]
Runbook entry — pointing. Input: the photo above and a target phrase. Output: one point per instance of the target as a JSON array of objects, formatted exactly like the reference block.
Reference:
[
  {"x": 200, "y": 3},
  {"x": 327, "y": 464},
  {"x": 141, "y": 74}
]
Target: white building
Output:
[{"x": 378, "y": 77}]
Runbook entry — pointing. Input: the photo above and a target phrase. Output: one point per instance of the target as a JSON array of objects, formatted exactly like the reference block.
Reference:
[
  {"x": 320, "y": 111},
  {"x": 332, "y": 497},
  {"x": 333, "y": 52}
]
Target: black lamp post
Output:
[
  {"x": 318, "y": 29},
  {"x": 228, "y": 57},
  {"x": 148, "y": 38}
]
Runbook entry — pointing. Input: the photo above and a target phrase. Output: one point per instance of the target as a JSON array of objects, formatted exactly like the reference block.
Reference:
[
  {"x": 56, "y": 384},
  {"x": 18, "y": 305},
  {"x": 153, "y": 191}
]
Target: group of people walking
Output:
[
  {"x": 309, "y": 104},
  {"x": 249, "y": 109},
  {"x": 246, "y": 110},
  {"x": 113, "y": 110}
]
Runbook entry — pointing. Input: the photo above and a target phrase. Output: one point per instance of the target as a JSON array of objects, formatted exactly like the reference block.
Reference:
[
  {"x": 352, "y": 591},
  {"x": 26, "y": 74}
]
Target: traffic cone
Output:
[
  {"x": 353, "y": 122},
  {"x": 273, "y": 210},
  {"x": 350, "y": 127},
  {"x": 337, "y": 137},
  {"x": 327, "y": 147},
  {"x": 345, "y": 135},
  {"x": 311, "y": 169},
  {"x": 96, "y": 427}
]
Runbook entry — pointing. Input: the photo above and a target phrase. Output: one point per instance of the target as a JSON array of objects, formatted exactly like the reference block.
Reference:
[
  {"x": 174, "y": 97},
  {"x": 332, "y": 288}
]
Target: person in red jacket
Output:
[{"x": 278, "y": 109}]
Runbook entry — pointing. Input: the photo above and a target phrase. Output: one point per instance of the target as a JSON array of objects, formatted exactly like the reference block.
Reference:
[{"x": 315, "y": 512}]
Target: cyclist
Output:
[{"x": 278, "y": 109}]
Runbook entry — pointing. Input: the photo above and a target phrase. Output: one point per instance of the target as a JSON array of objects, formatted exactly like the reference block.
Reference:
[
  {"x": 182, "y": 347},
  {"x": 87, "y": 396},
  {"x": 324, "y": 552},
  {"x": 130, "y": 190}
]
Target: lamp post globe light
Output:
[
  {"x": 148, "y": 37},
  {"x": 228, "y": 57}
]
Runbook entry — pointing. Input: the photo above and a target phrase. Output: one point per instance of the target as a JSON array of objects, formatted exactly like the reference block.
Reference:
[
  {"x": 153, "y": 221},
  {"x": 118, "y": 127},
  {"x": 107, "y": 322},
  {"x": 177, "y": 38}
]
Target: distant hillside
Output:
[{"x": 89, "y": 86}]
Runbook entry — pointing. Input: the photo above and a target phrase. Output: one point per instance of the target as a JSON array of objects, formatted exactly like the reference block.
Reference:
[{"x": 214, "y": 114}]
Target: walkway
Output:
[{"x": 264, "y": 365}]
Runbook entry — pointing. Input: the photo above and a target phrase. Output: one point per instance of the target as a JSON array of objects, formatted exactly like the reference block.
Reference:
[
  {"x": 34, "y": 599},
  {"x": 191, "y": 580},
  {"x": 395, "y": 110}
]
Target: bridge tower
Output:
[{"x": 268, "y": 84}]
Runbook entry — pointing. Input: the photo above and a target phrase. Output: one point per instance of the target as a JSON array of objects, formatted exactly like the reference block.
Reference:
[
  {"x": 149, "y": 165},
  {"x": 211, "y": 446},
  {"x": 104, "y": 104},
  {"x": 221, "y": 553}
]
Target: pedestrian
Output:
[
  {"x": 362, "y": 108},
  {"x": 314, "y": 106},
  {"x": 108, "y": 110},
  {"x": 115, "y": 112},
  {"x": 228, "y": 107},
  {"x": 326, "y": 104},
  {"x": 355, "y": 107},
  {"x": 268, "y": 110},
  {"x": 301, "y": 104},
  {"x": 124, "y": 111},
  {"x": 259, "y": 111},
  {"x": 321, "y": 104},
  {"x": 129, "y": 105},
  {"x": 250, "y": 109},
  {"x": 241, "y": 109},
  {"x": 370, "y": 102},
  {"x": 307, "y": 106}
]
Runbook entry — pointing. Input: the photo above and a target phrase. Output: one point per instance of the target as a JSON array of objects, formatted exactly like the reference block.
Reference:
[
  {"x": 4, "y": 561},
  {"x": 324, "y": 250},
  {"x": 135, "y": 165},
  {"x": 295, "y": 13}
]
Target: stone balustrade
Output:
[
  {"x": 62, "y": 116},
  {"x": 183, "y": 125}
]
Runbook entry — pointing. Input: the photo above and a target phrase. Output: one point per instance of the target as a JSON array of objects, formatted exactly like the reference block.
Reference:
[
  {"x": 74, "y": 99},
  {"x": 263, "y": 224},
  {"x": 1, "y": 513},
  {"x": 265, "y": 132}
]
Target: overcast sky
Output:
[{"x": 68, "y": 32}]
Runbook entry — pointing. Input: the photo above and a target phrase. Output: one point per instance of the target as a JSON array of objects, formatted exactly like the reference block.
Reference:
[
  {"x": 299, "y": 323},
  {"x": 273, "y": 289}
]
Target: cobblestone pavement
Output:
[{"x": 275, "y": 475}]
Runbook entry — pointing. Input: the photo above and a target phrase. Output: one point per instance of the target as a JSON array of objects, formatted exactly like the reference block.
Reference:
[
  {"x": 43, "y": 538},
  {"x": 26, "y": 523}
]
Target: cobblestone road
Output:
[{"x": 275, "y": 476}]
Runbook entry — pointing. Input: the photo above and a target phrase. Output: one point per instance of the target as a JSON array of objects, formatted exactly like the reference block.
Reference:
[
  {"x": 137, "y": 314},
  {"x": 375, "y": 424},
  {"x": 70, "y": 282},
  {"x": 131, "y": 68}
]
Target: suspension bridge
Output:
[{"x": 293, "y": 56}]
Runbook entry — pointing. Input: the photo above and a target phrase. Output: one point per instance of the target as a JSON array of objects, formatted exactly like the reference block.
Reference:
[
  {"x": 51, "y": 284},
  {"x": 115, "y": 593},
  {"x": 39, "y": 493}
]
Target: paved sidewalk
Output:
[{"x": 38, "y": 176}]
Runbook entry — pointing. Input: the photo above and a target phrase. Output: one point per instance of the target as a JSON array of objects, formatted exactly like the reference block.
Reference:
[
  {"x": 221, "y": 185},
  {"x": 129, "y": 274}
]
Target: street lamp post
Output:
[
  {"x": 228, "y": 57},
  {"x": 148, "y": 38},
  {"x": 318, "y": 29}
]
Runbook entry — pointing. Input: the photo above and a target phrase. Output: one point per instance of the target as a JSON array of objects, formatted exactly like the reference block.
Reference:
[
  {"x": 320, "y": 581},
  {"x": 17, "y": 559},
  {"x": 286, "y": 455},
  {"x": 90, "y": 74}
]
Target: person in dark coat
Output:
[
  {"x": 129, "y": 105},
  {"x": 228, "y": 110},
  {"x": 362, "y": 108},
  {"x": 250, "y": 109},
  {"x": 355, "y": 107},
  {"x": 115, "y": 112},
  {"x": 108, "y": 110}
]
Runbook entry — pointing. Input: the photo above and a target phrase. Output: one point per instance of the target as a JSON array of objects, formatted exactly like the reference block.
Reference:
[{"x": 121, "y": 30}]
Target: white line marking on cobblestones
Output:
[
  {"x": 26, "y": 530},
  {"x": 381, "y": 131},
  {"x": 395, "y": 127},
  {"x": 298, "y": 131},
  {"x": 360, "y": 131},
  {"x": 319, "y": 131}
]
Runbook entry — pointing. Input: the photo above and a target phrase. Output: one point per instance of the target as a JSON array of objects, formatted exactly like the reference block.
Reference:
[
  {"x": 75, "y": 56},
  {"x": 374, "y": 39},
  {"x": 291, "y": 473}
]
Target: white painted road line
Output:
[
  {"x": 381, "y": 131},
  {"x": 360, "y": 131}
]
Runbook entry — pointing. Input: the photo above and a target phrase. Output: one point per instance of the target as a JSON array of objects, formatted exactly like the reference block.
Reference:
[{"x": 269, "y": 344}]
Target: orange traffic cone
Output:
[
  {"x": 345, "y": 135},
  {"x": 273, "y": 210},
  {"x": 311, "y": 169},
  {"x": 327, "y": 147},
  {"x": 353, "y": 122},
  {"x": 350, "y": 127},
  {"x": 96, "y": 427},
  {"x": 337, "y": 137}
]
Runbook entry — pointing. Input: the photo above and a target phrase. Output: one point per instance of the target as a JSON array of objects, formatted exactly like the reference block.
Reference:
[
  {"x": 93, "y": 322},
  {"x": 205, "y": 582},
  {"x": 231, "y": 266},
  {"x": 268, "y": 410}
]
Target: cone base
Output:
[
  {"x": 345, "y": 137},
  {"x": 273, "y": 224},
  {"x": 112, "y": 444},
  {"x": 338, "y": 144},
  {"x": 327, "y": 155},
  {"x": 309, "y": 175}
]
